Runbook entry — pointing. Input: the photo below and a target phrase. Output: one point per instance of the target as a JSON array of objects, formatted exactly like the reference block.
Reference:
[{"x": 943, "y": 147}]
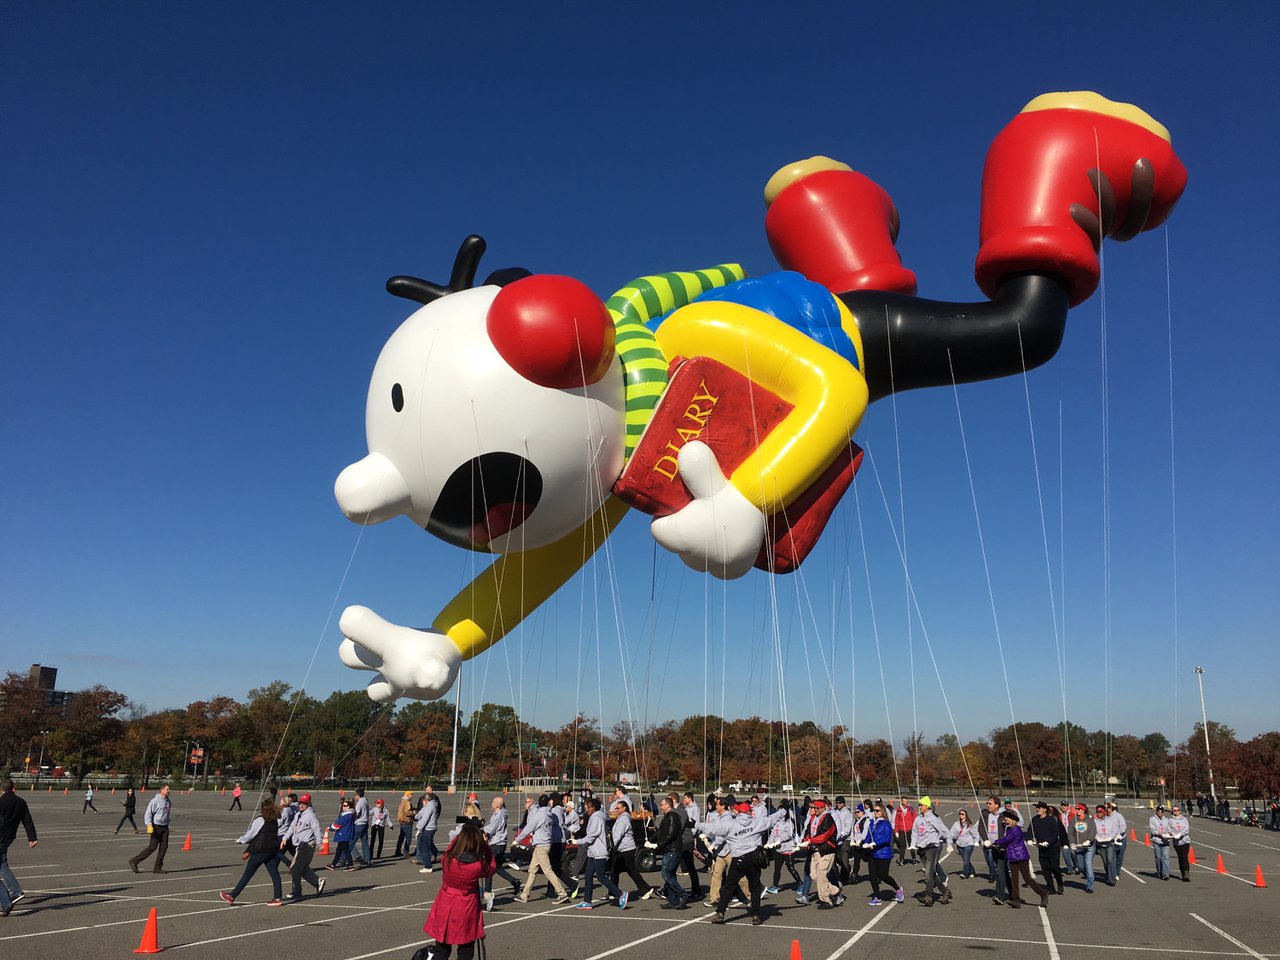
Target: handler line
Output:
[{"x": 1226, "y": 936}]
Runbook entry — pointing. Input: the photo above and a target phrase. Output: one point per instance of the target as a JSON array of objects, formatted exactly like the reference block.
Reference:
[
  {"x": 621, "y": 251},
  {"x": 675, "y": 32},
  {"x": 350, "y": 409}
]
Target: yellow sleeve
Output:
[
  {"x": 516, "y": 584},
  {"x": 828, "y": 393}
]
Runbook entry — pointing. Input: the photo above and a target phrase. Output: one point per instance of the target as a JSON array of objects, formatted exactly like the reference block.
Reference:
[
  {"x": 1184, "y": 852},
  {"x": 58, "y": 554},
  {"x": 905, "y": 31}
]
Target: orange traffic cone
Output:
[
  {"x": 1222, "y": 867},
  {"x": 1259, "y": 881},
  {"x": 1191, "y": 856},
  {"x": 795, "y": 950},
  {"x": 324, "y": 847},
  {"x": 1133, "y": 835},
  {"x": 150, "y": 936},
  {"x": 1146, "y": 839},
  {"x": 186, "y": 844}
]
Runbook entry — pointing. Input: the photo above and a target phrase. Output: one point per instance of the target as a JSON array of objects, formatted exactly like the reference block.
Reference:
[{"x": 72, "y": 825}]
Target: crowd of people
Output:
[{"x": 729, "y": 850}]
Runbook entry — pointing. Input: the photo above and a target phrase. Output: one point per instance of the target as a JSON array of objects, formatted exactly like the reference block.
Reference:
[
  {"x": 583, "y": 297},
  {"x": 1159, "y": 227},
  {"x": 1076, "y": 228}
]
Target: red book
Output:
[{"x": 708, "y": 401}]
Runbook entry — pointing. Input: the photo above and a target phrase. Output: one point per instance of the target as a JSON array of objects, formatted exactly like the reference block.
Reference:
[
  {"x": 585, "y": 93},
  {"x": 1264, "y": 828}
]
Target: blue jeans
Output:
[
  {"x": 671, "y": 888},
  {"x": 598, "y": 869},
  {"x": 998, "y": 869},
  {"x": 9, "y": 885},
  {"x": 1084, "y": 862},
  {"x": 271, "y": 861},
  {"x": 427, "y": 851},
  {"x": 1161, "y": 852},
  {"x": 1124, "y": 843},
  {"x": 1069, "y": 863},
  {"x": 966, "y": 854},
  {"x": 404, "y": 843},
  {"x": 1107, "y": 851},
  {"x": 361, "y": 842}
]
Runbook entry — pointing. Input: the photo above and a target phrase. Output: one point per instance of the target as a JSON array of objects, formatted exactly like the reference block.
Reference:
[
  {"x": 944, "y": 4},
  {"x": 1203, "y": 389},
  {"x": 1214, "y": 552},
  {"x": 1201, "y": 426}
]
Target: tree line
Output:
[{"x": 278, "y": 733}]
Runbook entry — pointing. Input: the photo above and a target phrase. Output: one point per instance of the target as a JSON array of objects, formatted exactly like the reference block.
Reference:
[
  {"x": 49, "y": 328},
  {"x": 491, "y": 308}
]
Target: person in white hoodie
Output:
[
  {"x": 597, "y": 842},
  {"x": 538, "y": 828},
  {"x": 744, "y": 835}
]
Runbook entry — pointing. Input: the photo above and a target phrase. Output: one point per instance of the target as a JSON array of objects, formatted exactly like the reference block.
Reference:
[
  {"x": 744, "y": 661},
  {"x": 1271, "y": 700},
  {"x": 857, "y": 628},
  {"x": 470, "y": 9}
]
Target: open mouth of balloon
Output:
[{"x": 484, "y": 499}]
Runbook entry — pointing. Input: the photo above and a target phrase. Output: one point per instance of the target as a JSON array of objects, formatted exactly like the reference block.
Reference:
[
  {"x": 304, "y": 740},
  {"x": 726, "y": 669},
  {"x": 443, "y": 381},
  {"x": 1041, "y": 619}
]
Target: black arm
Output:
[{"x": 1019, "y": 329}]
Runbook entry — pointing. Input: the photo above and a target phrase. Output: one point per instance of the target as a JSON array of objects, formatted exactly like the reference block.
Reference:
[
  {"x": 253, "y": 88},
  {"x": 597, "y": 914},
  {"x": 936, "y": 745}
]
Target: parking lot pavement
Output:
[{"x": 84, "y": 901}]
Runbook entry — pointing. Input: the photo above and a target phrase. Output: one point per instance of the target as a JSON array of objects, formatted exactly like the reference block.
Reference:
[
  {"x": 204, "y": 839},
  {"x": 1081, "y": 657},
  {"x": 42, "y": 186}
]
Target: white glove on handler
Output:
[
  {"x": 803, "y": 843},
  {"x": 705, "y": 839},
  {"x": 868, "y": 846},
  {"x": 650, "y": 845},
  {"x": 721, "y": 531},
  {"x": 1119, "y": 841},
  {"x": 1043, "y": 843},
  {"x": 772, "y": 844},
  {"x": 986, "y": 843}
]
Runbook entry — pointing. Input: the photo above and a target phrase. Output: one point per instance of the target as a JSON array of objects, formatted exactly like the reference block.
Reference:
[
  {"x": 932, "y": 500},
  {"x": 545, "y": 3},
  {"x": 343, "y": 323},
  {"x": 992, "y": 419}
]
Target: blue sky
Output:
[{"x": 202, "y": 204}]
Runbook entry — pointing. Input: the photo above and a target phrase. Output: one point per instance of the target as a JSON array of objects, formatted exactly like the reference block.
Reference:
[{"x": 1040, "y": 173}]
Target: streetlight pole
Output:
[
  {"x": 40, "y": 762},
  {"x": 1204, "y": 725}
]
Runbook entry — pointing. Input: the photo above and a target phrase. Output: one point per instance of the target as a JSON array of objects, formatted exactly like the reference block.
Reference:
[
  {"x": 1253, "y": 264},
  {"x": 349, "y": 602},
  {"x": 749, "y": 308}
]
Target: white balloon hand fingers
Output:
[
  {"x": 720, "y": 531},
  {"x": 357, "y": 657},
  {"x": 413, "y": 663}
]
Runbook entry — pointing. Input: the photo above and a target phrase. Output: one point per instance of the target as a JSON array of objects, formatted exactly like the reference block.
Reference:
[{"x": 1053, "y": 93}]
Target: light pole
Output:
[
  {"x": 1205, "y": 727},
  {"x": 40, "y": 762}
]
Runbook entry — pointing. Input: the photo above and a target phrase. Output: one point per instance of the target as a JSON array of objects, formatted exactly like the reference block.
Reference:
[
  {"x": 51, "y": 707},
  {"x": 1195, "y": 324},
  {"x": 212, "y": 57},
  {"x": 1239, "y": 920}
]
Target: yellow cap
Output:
[
  {"x": 794, "y": 171},
  {"x": 926, "y": 801}
]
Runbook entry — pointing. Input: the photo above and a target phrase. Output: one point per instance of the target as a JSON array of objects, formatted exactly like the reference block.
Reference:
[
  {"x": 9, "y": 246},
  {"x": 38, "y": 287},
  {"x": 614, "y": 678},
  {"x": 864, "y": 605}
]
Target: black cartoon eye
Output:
[{"x": 397, "y": 397}]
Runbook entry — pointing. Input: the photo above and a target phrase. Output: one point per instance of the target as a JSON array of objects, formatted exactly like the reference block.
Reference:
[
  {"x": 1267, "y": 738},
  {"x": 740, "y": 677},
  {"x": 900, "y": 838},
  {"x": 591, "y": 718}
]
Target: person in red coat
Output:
[{"x": 455, "y": 919}]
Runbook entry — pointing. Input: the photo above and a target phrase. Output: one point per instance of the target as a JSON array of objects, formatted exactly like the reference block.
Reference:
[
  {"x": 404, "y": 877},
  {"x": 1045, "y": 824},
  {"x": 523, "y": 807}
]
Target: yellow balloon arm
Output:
[
  {"x": 828, "y": 394},
  {"x": 516, "y": 584}
]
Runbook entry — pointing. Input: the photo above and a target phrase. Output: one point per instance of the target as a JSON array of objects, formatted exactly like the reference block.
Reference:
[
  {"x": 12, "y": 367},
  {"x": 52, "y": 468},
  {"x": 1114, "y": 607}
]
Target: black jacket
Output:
[
  {"x": 13, "y": 811},
  {"x": 670, "y": 832},
  {"x": 1049, "y": 830}
]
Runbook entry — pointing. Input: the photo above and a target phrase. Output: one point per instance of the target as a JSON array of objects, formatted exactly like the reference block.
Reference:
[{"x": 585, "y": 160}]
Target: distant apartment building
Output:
[{"x": 46, "y": 679}]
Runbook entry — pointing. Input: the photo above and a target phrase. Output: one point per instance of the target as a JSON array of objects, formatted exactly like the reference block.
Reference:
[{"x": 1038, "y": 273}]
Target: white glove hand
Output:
[
  {"x": 1119, "y": 841},
  {"x": 721, "y": 531},
  {"x": 705, "y": 839},
  {"x": 803, "y": 843},
  {"x": 772, "y": 845},
  {"x": 409, "y": 663},
  {"x": 986, "y": 843},
  {"x": 868, "y": 846},
  {"x": 650, "y": 845},
  {"x": 1044, "y": 843}
]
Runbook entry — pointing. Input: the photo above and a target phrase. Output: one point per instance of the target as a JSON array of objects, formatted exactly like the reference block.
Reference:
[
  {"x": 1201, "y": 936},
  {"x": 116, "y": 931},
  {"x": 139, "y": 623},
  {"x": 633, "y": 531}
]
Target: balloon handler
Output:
[{"x": 524, "y": 416}]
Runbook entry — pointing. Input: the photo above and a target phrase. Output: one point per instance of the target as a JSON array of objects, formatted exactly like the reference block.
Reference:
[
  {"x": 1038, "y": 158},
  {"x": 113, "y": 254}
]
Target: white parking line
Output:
[
  {"x": 652, "y": 936},
  {"x": 862, "y": 932},
  {"x": 1267, "y": 845},
  {"x": 1226, "y": 936},
  {"x": 1048, "y": 936},
  {"x": 1134, "y": 875},
  {"x": 1212, "y": 847},
  {"x": 487, "y": 927},
  {"x": 1214, "y": 871}
]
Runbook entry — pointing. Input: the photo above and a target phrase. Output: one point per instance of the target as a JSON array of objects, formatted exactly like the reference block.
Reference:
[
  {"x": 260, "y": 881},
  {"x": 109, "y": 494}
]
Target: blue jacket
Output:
[
  {"x": 881, "y": 834},
  {"x": 345, "y": 826}
]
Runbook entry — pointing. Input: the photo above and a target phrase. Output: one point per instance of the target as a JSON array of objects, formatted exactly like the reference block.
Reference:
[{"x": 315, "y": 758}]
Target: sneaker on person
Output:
[
  {"x": 488, "y": 900},
  {"x": 424, "y": 870},
  {"x": 901, "y": 896},
  {"x": 584, "y": 906},
  {"x": 875, "y": 902},
  {"x": 648, "y": 893},
  {"x": 563, "y": 898},
  {"x": 770, "y": 889},
  {"x": 622, "y": 900},
  {"x": 275, "y": 903},
  {"x": 320, "y": 886},
  {"x": 226, "y": 897}
]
